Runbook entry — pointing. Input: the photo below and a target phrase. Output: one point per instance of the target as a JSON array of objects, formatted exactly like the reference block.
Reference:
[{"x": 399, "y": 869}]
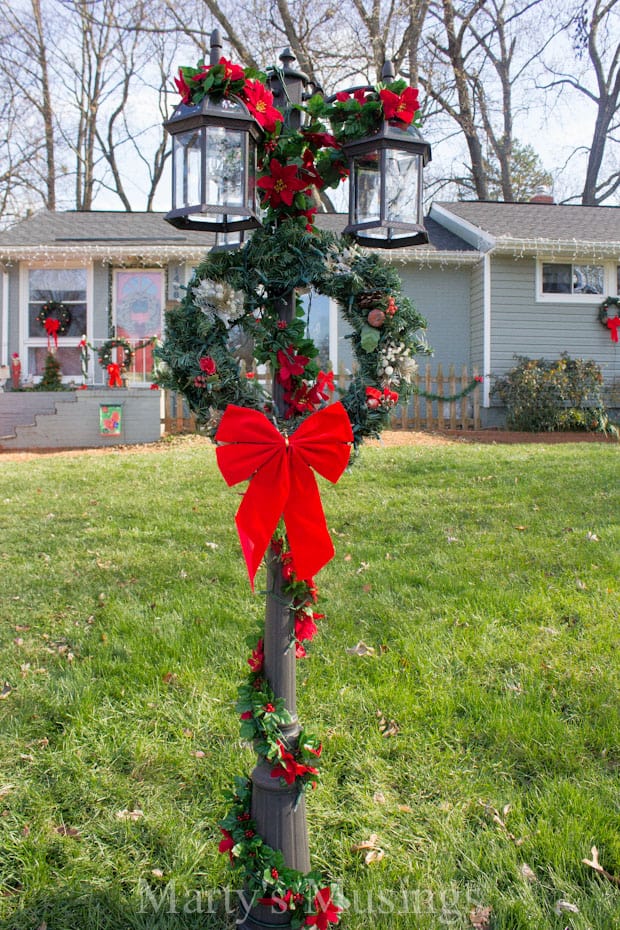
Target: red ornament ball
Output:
[{"x": 376, "y": 318}]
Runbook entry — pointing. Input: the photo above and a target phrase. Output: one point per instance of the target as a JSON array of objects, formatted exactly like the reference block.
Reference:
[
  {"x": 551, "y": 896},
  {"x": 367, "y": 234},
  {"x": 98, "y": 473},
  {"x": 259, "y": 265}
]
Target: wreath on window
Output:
[
  {"x": 609, "y": 316},
  {"x": 229, "y": 315},
  {"x": 105, "y": 356},
  {"x": 57, "y": 311}
]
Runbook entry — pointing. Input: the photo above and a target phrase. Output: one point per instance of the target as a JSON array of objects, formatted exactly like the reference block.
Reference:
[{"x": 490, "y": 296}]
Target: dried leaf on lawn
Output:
[
  {"x": 63, "y": 830},
  {"x": 361, "y": 650},
  {"x": 6, "y": 690},
  {"x": 371, "y": 847},
  {"x": 129, "y": 815},
  {"x": 595, "y": 864},
  {"x": 493, "y": 813},
  {"x": 480, "y": 917},
  {"x": 561, "y": 906},
  {"x": 387, "y": 727},
  {"x": 527, "y": 873}
]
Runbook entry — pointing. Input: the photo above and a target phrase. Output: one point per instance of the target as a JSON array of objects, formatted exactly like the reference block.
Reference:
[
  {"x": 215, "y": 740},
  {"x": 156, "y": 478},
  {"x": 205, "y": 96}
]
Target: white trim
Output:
[
  {"x": 25, "y": 340},
  {"x": 587, "y": 299},
  {"x": 481, "y": 240},
  {"x": 333, "y": 333},
  {"x": 4, "y": 348},
  {"x": 486, "y": 335}
]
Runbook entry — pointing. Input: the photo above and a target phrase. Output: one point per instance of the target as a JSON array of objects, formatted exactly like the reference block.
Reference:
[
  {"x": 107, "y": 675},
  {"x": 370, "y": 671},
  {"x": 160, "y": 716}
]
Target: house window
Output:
[
  {"x": 573, "y": 279},
  {"x": 67, "y": 286}
]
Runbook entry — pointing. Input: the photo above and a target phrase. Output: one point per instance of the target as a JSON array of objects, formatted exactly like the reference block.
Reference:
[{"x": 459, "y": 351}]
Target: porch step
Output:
[
  {"x": 72, "y": 422},
  {"x": 21, "y": 408}
]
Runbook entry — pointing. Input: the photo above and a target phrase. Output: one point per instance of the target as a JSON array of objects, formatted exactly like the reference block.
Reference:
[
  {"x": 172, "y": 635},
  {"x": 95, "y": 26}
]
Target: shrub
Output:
[{"x": 541, "y": 395}]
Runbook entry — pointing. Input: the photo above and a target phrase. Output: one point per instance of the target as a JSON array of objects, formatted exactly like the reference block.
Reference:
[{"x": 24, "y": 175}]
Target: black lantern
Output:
[
  {"x": 385, "y": 194},
  {"x": 214, "y": 166}
]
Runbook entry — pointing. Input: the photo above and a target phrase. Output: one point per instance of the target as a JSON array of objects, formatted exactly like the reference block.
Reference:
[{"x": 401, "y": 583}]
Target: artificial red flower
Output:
[
  {"x": 305, "y": 627},
  {"x": 479, "y": 379},
  {"x": 323, "y": 387},
  {"x": 326, "y": 911},
  {"x": 342, "y": 96},
  {"x": 183, "y": 88},
  {"x": 269, "y": 708},
  {"x": 257, "y": 658},
  {"x": 373, "y": 397},
  {"x": 227, "y": 844},
  {"x": 391, "y": 307},
  {"x": 259, "y": 101},
  {"x": 309, "y": 171},
  {"x": 300, "y": 651},
  {"x": 247, "y": 715},
  {"x": 282, "y": 903},
  {"x": 288, "y": 768},
  {"x": 290, "y": 365},
  {"x": 309, "y": 214},
  {"x": 282, "y": 184},
  {"x": 390, "y": 397},
  {"x": 400, "y": 106},
  {"x": 322, "y": 140},
  {"x": 232, "y": 72},
  {"x": 207, "y": 364},
  {"x": 315, "y": 752}
]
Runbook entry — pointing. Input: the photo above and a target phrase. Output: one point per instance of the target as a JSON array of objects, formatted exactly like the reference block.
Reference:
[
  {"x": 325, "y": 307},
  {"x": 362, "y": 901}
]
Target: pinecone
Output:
[{"x": 370, "y": 299}]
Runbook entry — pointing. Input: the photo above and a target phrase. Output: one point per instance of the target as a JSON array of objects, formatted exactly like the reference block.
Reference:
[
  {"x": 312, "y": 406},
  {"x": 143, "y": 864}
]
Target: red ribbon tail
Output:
[
  {"x": 309, "y": 540},
  {"x": 260, "y": 511}
]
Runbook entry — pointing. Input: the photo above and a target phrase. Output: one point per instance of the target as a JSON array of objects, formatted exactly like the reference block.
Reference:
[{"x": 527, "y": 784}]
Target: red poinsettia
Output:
[
  {"x": 321, "y": 140},
  {"x": 326, "y": 911},
  {"x": 183, "y": 87},
  {"x": 231, "y": 72},
  {"x": 289, "y": 364},
  {"x": 259, "y": 101},
  {"x": 227, "y": 844},
  {"x": 282, "y": 903},
  {"x": 288, "y": 767},
  {"x": 257, "y": 658},
  {"x": 305, "y": 627},
  {"x": 282, "y": 184},
  {"x": 400, "y": 106},
  {"x": 373, "y": 397},
  {"x": 207, "y": 364}
]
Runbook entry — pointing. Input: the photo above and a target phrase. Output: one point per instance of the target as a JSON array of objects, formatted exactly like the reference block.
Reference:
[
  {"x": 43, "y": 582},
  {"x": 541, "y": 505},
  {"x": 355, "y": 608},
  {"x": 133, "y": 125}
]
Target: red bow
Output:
[
  {"x": 613, "y": 324},
  {"x": 282, "y": 481},
  {"x": 51, "y": 328},
  {"x": 114, "y": 375}
]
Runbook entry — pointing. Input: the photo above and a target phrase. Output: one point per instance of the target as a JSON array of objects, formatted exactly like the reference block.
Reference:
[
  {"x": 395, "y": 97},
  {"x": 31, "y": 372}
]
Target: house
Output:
[{"x": 495, "y": 280}]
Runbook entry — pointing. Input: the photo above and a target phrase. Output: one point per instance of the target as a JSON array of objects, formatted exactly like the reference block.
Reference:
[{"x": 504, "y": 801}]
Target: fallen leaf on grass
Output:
[
  {"x": 494, "y": 814},
  {"x": 63, "y": 830},
  {"x": 361, "y": 650},
  {"x": 169, "y": 678},
  {"x": 592, "y": 537},
  {"x": 561, "y": 906},
  {"x": 527, "y": 873},
  {"x": 480, "y": 917},
  {"x": 371, "y": 847},
  {"x": 130, "y": 815},
  {"x": 42, "y": 926},
  {"x": 6, "y": 690},
  {"x": 379, "y": 797},
  {"x": 405, "y": 809},
  {"x": 157, "y": 873},
  {"x": 364, "y": 566},
  {"x": 387, "y": 727},
  {"x": 6, "y": 789},
  {"x": 595, "y": 864}
]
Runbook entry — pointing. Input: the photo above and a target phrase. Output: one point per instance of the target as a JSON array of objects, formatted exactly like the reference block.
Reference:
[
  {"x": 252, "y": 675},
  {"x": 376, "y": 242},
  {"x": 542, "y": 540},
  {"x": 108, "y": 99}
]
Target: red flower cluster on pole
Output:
[
  {"x": 259, "y": 101},
  {"x": 376, "y": 398},
  {"x": 281, "y": 185},
  {"x": 289, "y": 768}
]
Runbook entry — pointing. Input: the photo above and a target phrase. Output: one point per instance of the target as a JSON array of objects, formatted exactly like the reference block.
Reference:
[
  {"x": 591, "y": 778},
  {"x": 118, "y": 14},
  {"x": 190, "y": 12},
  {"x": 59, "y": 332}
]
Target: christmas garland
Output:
[
  {"x": 239, "y": 291},
  {"x": 55, "y": 310},
  {"x": 612, "y": 323},
  {"x": 270, "y": 882}
]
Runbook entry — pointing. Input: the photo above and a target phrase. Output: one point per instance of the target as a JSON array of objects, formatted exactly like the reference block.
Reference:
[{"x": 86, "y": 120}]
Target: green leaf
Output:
[{"x": 369, "y": 338}]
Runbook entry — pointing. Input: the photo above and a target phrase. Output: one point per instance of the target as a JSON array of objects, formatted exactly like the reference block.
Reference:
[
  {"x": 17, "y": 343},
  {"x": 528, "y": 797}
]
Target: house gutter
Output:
[
  {"x": 576, "y": 249},
  {"x": 157, "y": 256},
  {"x": 4, "y": 346}
]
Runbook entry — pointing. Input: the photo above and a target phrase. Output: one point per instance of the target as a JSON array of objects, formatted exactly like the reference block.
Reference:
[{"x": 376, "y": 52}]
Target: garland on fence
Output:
[
  {"x": 612, "y": 323},
  {"x": 473, "y": 384},
  {"x": 305, "y": 896}
]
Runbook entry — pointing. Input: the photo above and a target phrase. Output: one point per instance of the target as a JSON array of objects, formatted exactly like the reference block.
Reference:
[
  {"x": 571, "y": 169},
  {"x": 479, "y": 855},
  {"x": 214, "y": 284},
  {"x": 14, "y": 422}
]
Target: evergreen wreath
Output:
[
  {"x": 239, "y": 291},
  {"x": 55, "y": 310},
  {"x": 104, "y": 353},
  {"x": 605, "y": 308}
]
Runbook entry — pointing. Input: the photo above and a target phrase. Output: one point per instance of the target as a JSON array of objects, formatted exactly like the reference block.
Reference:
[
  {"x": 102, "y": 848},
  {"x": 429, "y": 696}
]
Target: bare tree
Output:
[{"x": 595, "y": 76}]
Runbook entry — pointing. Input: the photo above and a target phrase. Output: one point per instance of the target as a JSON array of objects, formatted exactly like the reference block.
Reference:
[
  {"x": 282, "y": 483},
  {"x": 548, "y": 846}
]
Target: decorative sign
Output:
[{"x": 111, "y": 419}]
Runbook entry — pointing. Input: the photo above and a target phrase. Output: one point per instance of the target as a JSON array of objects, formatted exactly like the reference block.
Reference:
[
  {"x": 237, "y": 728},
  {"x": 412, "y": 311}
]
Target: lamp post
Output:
[{"x": 215, "y": 189}]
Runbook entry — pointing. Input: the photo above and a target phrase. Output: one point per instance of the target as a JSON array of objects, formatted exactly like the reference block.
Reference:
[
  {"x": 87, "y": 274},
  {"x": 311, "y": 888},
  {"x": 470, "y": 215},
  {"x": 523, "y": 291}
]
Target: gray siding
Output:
[
  {"x": 101, "y": 300},
  {"x": 442, "y": 296},
  {"x": 522, "y": 326}
]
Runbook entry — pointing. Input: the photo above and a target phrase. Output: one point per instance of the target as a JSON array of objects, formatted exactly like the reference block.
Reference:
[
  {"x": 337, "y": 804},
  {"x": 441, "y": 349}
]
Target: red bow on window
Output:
[
  {"x": 282, "y": 482},
  {"x": 51, "y": 328}
]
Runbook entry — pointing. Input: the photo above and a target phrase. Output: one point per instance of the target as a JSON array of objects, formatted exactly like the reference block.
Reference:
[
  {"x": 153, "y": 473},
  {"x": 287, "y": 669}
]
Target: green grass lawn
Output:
[{"x": 484, "y": 577}]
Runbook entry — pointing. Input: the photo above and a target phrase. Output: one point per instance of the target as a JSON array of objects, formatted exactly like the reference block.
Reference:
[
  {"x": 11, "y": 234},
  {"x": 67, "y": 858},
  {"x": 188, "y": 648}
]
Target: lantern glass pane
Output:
[
  {"x": 367, "y": 180},
  {"x": 402, "y": 187},
  {"x": 251, "y": 188},
  {"x": 225, "y": 163},
  {"x": 187, "y": 168}
]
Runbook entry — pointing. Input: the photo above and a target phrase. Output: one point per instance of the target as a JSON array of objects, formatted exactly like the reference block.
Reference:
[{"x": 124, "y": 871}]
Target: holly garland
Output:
[
  {"x": 270, "y": 882},
  {"x": 609, "y": 318}
]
